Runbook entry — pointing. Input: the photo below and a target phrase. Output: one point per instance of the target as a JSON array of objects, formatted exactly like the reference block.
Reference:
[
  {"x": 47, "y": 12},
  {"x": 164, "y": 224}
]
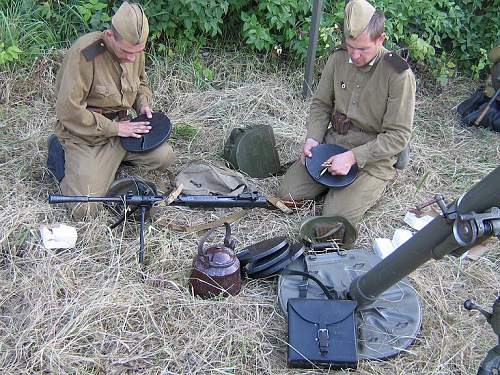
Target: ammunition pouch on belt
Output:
[{"x": 341, "y": 123}]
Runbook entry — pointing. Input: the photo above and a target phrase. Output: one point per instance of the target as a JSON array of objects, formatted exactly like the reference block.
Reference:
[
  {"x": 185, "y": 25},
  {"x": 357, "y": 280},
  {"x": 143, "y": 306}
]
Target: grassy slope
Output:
[{"x": 88, "y": 310}]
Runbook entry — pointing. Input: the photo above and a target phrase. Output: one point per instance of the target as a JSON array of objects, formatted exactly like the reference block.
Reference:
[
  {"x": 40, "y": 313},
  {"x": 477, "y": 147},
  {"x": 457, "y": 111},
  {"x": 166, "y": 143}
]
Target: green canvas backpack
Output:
[{"x": 253, "y": 150}]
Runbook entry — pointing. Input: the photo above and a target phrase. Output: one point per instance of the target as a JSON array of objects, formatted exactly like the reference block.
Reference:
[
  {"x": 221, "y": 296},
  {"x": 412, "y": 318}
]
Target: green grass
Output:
[
  {"x": 36, "y": 28},
  {"x": 185, "y": 131}
]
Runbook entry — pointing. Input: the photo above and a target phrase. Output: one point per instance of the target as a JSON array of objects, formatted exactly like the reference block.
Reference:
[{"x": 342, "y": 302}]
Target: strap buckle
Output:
[{"x": 323, "y": 340}]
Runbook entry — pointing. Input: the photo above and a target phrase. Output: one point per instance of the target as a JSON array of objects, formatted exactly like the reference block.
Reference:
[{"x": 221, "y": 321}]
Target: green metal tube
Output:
[
  {"x": 311, "y": 50},
  {"x": 434, "y": 241}
]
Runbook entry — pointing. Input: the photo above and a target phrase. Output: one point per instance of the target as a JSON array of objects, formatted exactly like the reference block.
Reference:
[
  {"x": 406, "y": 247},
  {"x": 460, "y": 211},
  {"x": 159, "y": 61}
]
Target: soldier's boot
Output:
[{"x": 55, "y": 157}]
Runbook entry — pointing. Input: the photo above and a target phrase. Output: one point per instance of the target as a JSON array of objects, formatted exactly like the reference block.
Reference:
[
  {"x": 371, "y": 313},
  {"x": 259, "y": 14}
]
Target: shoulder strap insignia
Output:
[
  {"x": 340, "y": 47},
  {"x": 94, "y": 50},
  {"x": 396, "y": 62}
]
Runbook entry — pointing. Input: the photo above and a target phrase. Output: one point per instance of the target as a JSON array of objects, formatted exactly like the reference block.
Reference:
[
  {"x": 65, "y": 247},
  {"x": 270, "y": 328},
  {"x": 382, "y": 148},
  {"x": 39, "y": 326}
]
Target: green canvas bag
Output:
[{"x": 253, "y": 151}]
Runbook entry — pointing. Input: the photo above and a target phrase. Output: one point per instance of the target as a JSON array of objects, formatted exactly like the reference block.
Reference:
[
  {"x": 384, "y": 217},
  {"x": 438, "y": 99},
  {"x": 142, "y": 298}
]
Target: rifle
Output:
[{"x": 145, "y": 202}]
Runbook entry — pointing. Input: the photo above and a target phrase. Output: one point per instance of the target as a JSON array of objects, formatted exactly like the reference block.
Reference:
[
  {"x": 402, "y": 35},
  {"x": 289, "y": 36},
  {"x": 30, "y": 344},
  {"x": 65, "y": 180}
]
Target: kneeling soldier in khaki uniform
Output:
[
  {"x": 368, "y": 95},
  {"x": 103, "y": 76}
]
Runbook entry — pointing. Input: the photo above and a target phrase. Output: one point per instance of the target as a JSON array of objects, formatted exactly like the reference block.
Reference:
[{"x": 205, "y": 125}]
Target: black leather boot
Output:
[{"x": 55, "y": 157}]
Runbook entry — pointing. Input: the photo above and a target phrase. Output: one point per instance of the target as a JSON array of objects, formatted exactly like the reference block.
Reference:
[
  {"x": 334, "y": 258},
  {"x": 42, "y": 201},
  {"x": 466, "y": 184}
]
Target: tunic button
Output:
[{"x": 357, "y": 86}]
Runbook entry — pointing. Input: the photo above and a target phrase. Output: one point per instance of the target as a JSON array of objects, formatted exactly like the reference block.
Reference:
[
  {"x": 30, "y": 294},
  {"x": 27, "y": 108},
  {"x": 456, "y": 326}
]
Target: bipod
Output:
[{"x": 144, "y": 206}]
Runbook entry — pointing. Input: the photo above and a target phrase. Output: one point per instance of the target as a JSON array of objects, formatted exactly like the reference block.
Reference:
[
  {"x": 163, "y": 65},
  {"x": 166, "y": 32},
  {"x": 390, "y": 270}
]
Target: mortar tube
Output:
[{"x": 435, "y": 240}]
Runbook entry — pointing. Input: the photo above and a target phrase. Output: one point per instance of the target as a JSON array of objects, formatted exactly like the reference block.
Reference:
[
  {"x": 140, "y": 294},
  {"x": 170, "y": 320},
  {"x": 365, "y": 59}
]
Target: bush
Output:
[
  {"x": 184, "y": 23},
  {"x": 442, "y": 35},
  {"x": 23, "y": 32},
  {"x": 445, "y": 34},
  {"x": 30, "y": 27}
]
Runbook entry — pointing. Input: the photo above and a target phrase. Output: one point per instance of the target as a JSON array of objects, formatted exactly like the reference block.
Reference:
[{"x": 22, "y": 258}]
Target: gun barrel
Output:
[
  {"x": 209, "y": 201},
  {"x": 54, "y": 199},
  {"x": 435, "y": 240},
  {"x": 201, "y": 201}
]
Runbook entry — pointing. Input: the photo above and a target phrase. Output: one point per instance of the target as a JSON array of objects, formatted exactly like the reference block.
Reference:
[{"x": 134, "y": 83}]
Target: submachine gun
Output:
[{"x": 143, "y": 202}]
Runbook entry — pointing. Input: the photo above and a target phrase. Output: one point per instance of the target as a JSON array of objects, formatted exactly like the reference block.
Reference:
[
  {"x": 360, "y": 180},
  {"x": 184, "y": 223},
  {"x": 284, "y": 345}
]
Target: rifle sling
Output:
[
  {"x": 279, "y": 204},
  {"x": 212, "y": 224}
]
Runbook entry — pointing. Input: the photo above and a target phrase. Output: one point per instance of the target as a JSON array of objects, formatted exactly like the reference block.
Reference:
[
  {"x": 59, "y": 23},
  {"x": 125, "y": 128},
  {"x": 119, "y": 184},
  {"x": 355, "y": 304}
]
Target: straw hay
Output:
[{"x": 92, "y": 309}]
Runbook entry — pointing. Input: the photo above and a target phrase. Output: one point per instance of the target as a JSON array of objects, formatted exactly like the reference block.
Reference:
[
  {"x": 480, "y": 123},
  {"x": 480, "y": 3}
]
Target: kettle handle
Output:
[{"x": 228, "y": 241}]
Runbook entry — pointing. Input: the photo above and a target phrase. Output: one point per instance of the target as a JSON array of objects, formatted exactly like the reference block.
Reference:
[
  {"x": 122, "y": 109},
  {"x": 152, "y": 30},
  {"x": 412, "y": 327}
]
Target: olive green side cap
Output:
[
  {"x": 319, "y": 229},
  {"x": 357, "y": 15},
  {"x": 131, "y": 23}
]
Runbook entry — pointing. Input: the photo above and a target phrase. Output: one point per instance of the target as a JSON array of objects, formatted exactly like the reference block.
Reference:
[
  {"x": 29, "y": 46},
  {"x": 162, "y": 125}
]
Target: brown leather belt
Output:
[
  {"x": 110, "y": 115},
  {"x": 115, "y": 115}
]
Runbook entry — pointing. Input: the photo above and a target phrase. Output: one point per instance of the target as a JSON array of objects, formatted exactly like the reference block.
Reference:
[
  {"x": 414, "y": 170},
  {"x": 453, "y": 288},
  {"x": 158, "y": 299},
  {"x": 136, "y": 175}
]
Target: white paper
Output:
[
  {"x": 417, "y": 222},
  {"x": 382, "y": 247},
  {"x": 58, "y": 236},
  {"x": 400, "y": 237}
]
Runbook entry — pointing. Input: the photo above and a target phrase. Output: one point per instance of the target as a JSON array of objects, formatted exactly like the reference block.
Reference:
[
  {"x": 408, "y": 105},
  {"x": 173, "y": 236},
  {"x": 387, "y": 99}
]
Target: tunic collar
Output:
[
  {"x": 107, "y": 43},
  {"x": 374, "y": 61}
]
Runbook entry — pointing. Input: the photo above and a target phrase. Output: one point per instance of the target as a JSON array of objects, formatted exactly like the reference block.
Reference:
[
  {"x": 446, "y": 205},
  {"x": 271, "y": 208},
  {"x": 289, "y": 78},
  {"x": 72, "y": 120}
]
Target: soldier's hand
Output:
[
  {"x": 341, "y": 163},
  {"x": 133, "y": 129},
  {"x": 146, "y": 110},
  {"x": 306, "y": 151}
]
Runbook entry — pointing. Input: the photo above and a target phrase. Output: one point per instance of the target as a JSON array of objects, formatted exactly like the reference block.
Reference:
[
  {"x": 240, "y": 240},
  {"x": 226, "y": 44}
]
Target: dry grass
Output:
[{"x": 92, "y": 309}]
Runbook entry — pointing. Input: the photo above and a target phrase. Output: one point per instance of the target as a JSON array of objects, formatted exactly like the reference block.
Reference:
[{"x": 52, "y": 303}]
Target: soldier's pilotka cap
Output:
[
  {"x": 131, "y": 23},
  {"x": 357, "y": 15}
]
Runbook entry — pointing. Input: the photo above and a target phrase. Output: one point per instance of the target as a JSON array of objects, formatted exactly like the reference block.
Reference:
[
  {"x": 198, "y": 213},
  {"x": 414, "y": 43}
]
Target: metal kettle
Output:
[{"x": 216, "y": 269}]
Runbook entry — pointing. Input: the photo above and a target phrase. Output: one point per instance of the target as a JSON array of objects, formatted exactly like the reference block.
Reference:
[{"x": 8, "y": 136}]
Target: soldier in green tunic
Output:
[
  {"x": 101, "y": 78},
  {"x": 367, "y": 93}
]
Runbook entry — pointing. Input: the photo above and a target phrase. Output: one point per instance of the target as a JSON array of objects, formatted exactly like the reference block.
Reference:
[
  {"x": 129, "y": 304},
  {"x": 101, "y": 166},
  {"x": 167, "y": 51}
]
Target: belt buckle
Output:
[{"x": 122, "y": 115}]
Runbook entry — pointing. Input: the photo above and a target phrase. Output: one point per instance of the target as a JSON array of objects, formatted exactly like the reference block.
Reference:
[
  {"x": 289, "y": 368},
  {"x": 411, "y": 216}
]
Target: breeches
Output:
[
  {"x": 90, "y": 170},
  {"x": 351, "y": 202}
]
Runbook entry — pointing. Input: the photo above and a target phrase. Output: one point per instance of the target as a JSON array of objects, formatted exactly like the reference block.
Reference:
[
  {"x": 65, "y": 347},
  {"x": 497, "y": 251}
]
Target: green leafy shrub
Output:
[
  {"x": 276, "y": 23},
  {"x": 9, "y": 54},
  {"x": 24, "y": 34},
  {"x": 443, "y": 36},
  {"x": 30, "y": 27},
  {"x": 185, "y": 23},
  {"x": 94, "y": 13}
]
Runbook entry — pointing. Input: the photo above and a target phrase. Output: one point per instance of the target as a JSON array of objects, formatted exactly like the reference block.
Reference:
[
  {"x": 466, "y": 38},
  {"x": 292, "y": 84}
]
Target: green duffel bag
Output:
[{"x": 253, "y": 151}]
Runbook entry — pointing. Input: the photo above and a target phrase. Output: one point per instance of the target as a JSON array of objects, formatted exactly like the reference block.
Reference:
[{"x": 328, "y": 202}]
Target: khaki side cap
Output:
[
  {"x": 357, "y": 15},
  {"x": 131, "y": 23}
]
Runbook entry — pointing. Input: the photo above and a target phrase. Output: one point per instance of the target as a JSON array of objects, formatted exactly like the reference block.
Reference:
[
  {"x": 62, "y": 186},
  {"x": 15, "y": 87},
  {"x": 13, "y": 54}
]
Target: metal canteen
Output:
[{"x": 216, "y": 269}]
